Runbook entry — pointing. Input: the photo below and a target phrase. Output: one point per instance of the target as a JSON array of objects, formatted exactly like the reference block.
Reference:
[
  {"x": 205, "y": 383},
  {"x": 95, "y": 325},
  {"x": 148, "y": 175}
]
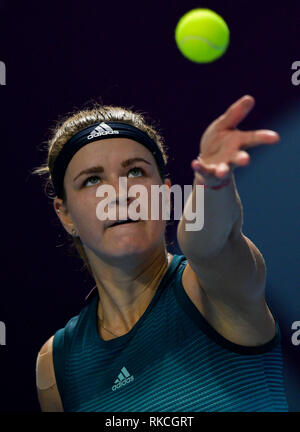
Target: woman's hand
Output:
[{"x": 221, "y": 147}]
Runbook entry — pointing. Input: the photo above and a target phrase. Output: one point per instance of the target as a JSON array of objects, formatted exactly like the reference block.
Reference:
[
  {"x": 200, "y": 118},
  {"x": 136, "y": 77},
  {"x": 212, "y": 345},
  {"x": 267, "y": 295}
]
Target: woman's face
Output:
[{"x": 102, "y": 163}]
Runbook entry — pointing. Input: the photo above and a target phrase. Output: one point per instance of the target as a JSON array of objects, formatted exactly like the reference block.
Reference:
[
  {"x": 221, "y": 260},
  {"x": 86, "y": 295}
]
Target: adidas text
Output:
[
  {"x": 93, "y": 135},
  {"x": 124, "y": 378},
  {"x": 122, "y": 383},
  {"x": 102, "y": 129}
]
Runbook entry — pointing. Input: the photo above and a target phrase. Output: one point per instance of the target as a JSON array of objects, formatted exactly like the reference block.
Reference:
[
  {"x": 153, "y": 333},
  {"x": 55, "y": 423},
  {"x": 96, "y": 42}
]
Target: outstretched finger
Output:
[
  {"x": 263, "y": 136},
  {"x": 235, "y": 113}
]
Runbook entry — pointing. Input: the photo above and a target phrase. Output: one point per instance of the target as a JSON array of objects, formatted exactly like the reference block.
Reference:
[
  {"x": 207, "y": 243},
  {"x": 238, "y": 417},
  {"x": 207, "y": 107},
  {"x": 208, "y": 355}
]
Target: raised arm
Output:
[{"x": 230, "y": 269}]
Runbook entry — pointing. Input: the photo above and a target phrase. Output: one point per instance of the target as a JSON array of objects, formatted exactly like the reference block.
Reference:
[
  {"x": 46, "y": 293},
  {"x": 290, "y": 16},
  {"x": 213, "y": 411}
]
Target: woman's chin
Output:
[{"x": 129, "y": 248}]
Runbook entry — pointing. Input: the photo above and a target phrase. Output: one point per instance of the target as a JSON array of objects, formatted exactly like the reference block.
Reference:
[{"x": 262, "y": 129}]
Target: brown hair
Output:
[{"x": 72, "y": 123}]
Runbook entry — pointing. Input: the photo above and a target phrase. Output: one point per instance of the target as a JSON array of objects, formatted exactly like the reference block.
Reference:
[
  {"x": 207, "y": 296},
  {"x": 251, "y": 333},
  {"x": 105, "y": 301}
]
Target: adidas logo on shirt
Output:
[
  {"x": 124, "y": 378},
  {"x": 102, "y": 129}
]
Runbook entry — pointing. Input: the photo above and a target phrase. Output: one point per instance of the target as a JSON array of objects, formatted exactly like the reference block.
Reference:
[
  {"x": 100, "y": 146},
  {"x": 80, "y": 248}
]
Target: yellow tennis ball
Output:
[{"x": 202, "y": 35}]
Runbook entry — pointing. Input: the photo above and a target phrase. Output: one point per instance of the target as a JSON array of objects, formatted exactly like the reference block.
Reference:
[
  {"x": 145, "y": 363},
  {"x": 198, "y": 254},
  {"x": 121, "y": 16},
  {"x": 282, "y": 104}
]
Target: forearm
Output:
[{"x": 222, "y": 215}]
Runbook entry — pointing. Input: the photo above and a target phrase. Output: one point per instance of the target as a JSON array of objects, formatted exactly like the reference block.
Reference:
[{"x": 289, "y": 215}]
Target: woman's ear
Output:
[{"x": 64, "y": 216}]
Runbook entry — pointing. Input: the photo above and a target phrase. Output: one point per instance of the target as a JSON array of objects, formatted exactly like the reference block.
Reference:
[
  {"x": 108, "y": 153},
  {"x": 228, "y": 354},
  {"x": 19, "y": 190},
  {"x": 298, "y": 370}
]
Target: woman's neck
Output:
[{"x": 124, "y": 297}]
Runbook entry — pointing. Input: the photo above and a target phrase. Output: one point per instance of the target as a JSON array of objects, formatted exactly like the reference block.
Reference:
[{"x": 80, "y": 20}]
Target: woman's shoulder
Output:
[{"x": 47, "y": 391}]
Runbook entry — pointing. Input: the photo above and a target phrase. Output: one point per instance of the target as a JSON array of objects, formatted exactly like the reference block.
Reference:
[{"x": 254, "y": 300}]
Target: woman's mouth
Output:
[{"x": 122, "y": 222}]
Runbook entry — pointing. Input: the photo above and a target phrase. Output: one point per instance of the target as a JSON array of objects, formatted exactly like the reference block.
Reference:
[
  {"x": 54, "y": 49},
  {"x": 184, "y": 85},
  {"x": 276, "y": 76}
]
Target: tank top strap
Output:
[{"x": 177, "y": 260}]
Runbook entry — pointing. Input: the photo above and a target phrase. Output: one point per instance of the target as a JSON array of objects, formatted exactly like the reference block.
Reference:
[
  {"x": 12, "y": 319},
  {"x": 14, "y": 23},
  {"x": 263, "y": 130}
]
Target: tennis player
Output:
[{"x": 160, "y": 332}]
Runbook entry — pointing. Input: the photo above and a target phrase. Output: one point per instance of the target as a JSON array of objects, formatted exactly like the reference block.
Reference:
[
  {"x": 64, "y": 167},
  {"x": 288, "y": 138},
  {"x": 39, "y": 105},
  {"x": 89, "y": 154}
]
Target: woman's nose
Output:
[{"x": 121, "y": 187}]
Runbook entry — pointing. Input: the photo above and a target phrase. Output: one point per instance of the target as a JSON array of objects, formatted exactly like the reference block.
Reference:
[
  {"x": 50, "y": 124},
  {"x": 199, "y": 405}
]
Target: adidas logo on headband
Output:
[{"x": 102, "y": 129}]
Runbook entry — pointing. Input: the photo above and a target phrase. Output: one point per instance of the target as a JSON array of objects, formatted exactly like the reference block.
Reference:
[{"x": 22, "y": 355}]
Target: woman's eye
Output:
[
  {"x": 91, "y": 181},
  {"x": 136, "y": 169}
]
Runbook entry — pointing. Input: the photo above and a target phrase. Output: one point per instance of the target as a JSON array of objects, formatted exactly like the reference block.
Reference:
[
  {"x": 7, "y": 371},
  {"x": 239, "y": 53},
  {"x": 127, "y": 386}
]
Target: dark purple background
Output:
[{"x": 61, "y": 55}]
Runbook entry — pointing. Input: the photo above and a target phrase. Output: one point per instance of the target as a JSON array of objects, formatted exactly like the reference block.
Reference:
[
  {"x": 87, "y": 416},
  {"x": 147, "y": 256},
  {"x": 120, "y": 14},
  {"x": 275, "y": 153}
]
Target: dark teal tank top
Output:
[{"x": 172, "y": 360}]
